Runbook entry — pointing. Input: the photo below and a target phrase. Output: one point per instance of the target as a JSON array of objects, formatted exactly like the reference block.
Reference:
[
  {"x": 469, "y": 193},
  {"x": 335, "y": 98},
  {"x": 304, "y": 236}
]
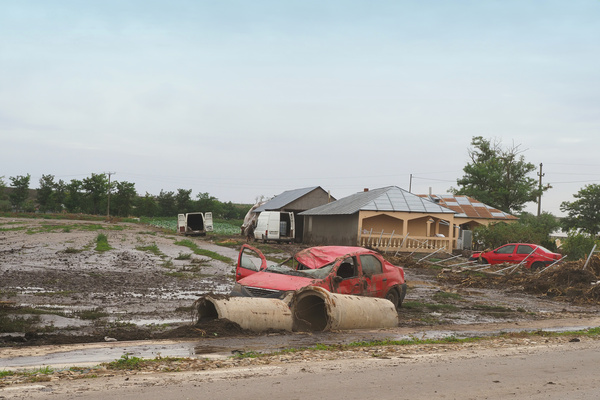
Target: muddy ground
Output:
[{"x": 56, "y": 288}]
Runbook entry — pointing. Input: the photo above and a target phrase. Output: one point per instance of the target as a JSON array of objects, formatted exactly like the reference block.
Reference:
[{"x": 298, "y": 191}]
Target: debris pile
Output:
[{"x": 568, "y": 280}]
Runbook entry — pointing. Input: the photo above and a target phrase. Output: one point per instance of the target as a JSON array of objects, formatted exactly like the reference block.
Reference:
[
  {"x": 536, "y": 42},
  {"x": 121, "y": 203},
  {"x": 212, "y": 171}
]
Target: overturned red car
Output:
[
  {"x": 532, "y": 255},
  {"x": 339, "y": 269}
]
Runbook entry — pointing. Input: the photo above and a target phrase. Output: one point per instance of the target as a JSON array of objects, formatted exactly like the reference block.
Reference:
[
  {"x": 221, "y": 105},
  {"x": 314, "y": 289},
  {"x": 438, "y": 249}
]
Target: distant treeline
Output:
[{"x": 92, "y": 195}]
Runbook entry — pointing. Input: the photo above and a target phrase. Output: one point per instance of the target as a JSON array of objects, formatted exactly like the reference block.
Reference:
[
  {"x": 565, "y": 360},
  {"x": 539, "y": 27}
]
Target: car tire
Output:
[
  {"x": 538, "y": 265},
  {"x": 393, "y": 296}
]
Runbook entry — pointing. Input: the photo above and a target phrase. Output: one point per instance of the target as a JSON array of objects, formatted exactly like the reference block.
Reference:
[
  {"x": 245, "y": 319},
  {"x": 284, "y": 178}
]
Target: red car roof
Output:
[{"x": 316, "y": 257}]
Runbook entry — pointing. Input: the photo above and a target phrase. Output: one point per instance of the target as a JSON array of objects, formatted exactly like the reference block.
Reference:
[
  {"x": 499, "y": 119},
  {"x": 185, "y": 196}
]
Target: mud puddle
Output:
[{"x": 90, "y": 354}]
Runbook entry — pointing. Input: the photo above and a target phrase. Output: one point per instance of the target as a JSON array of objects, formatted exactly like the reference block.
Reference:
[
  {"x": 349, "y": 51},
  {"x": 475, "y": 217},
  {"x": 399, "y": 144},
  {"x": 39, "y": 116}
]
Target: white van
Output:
[
  {"x": 275, "y": 225},
  {"x": 195, "y": 223}
]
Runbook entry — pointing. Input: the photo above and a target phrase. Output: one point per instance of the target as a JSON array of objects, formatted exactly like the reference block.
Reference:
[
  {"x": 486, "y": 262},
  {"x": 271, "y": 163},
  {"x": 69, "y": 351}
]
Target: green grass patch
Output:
[
  {"x": 16, "y": 228},
  {"x": 91, "y": 314},
  {"x": 444, "y": 296},
  {"x": 102, "y": 243},
  {"x": 152, "y": 248},
  {"x": 5, "y": 373},
  {"x": 202, "y": 252},
  {"x": 184, "y": 256},
  {"x": 128, "y": 362},
  {"x": 17, "y": 323},
  {"x": 125, "y": 362},
  {"x": 58, "y": 293},
  {"x": 8, "y": 293}
]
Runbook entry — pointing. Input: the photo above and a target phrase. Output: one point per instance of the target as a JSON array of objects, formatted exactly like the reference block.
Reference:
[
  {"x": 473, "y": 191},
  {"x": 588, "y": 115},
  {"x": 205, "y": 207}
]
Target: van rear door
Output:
[
  {"x": 273, "y": 225},
  {"x": 181, "y": 223},
  {"x": 208, "y": 222}
]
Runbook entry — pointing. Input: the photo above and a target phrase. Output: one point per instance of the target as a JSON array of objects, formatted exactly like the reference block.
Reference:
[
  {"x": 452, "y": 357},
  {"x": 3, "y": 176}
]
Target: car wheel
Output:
[
  {"x": 537, "y": 265},
  {"x": 393, "y": 296}
]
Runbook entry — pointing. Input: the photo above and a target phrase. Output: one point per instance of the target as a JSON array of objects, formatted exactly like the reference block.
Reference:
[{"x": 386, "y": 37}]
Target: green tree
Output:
[
  {"x": 543, "y": 225},
  {"x": 95, "y": 190},
  {"x": 146, "y": 206},
  {"x": 206, "y": 202},
  {"x": 584, "y": 212},
  {"x": 46, "y": 197},
  {"x": 183, "y": 200},
  {"x": 20, "y": 193},
  {"x": 123, "y": 199},
  {"x": 578, "y": 245},
  {"x": 497, "y": 176},
  {"x": 166, "y": 204},
  {"x": 4, "y": 203},
  {"x": 60, "y": 194},
  {"x": 529, "y": 229},
  {"x": 73, "y": 196}
]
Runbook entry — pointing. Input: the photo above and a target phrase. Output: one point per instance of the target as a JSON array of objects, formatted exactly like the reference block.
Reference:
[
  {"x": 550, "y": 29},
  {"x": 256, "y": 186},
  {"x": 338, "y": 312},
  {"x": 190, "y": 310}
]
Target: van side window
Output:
[{"x": 370, "y": 265}]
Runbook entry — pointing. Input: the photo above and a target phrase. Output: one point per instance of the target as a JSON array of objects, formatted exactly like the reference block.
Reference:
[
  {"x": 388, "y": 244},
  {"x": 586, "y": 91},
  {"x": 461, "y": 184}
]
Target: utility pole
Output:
[
  {"x": 540, "y": 174},
  {"x": 108, "y": 205}
]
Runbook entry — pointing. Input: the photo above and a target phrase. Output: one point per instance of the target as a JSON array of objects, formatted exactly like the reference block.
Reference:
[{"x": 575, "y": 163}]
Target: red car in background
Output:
[
  {"x": 339, "y": 269},
  {"x": 535, "y": 256}
]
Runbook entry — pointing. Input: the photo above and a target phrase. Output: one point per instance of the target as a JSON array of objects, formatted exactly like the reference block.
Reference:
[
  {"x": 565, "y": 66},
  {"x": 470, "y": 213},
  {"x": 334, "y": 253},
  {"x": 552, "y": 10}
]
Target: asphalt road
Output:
[{"x": 540, "y": 371}]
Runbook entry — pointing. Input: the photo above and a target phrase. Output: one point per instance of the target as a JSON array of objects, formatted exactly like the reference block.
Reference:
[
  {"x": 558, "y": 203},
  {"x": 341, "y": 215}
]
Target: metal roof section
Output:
[
  {"x": 285, "y": 198},
  {"x": 468, "y": 207},
  {"x": 391, "y": 198}
]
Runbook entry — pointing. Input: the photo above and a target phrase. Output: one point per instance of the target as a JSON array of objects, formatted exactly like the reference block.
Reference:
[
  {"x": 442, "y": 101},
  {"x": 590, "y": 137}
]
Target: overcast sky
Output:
[{"x": 243, "y": 99}]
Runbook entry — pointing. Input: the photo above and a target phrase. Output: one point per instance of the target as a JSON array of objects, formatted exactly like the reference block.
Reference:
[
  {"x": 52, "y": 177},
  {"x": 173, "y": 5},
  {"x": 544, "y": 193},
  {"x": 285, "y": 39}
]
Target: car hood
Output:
[{"x": 268, "y": 280}]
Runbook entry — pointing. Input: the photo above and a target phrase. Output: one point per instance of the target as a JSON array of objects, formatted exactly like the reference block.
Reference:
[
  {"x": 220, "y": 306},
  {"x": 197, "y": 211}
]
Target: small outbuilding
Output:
[{"x": 296, "y": 201}]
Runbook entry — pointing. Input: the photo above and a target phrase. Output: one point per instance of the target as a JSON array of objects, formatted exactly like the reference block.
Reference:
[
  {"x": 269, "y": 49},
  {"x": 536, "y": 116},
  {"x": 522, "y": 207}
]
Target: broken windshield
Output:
[{"x": 285, "y": 269}]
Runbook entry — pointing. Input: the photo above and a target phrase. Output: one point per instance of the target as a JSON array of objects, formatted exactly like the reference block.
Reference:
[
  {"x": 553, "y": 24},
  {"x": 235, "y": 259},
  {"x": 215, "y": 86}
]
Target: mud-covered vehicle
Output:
[{"x": 339, "y": 269}]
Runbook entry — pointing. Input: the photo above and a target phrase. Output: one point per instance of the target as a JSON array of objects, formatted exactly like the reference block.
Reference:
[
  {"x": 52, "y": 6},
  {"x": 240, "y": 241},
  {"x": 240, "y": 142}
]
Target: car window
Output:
[
  {"x": 370, "y": 265},
  {"x": 524, "y": 249},
  {"x": 250, "y": 260},
  {"x": 506, "y": 249},
  {"x": 347, "y": 269},
  {"x": 319, "y": 273}
]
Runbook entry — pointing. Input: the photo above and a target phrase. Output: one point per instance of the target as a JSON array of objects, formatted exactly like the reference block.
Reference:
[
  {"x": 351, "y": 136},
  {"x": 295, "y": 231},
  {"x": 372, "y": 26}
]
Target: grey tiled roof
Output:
[
  {"x": 284, "y": 199},
  {"x": 391, "y": 198}
]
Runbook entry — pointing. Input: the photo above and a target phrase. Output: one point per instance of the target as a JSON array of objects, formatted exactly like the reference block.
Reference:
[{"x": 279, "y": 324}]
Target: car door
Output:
[
  {"x": 375, "y": 282},
  {"x": 523, "y": 252},
  {"x": 347, "y": 278},
  {"x": 504, "y": 254},
  {"x": 250, "y": 261}
]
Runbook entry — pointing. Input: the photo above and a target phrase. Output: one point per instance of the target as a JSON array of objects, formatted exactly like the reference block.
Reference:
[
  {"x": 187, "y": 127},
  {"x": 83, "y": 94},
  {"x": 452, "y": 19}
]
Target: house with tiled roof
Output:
[
  {"x": 470, "y": 213},
  {"x": 387, "y": 219}
]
